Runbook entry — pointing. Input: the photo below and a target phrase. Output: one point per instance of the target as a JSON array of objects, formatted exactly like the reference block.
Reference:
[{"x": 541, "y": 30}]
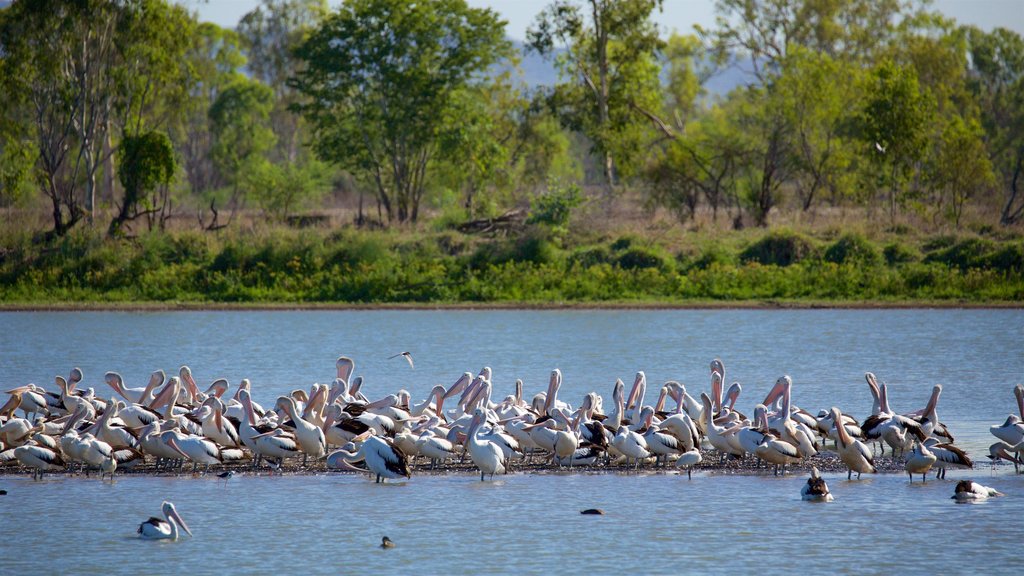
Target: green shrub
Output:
[
  {"x": 624, "y": 242},
  {"x": 1009, "y": 258},
  {"x": 713, "y": 254},
  {"x": 591, "y": 256},
  {"x": 536, "y": 248},
  {"x": 637, "y": 258},
  {"x": 780, "y": 248},
  {"x": 896, "y": 253},
  {"x": 969, "y": 253},
  {"x": 853, "y": 248}
]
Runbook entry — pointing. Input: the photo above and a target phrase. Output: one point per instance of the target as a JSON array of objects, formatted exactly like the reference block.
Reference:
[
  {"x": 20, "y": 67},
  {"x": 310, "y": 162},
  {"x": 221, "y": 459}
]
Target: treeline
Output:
[{"x": 129, "y": 110}]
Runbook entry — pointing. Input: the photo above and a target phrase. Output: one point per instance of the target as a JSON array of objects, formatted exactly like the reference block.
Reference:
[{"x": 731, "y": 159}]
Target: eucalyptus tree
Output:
[
  {"x": 996, "y": 81},
  {"x": 607, "y": 53},
  {"x": 378, "y": 77}
]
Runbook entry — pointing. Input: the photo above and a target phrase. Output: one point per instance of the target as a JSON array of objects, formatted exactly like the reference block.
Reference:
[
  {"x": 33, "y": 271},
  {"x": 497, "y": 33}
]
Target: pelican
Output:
[
  {"x": 886, "y": 425},
  {"x": 717, "y": 435},
  {"x": 789, "y": 430},
  {"x": 1001, "y": 451},
  {"x": 970, "y": 491},
  {"x": 40, "y": 458},
  {"x": 920, "y": 461},
  {"x": 135, "y": 395},
  {"x": 200, "y": 450},
  {"x": 309, "y": 436},
  {"x": 1012, "y": 431},
  {"x": 857, "y": 457},
  {"x": 276, "y": 443},
  {"x": 631, "y": 445},
  {"x": 487, "y": 456},
  {"x": 437, "y": 449},
  {"x": 157, "y": 529},
  {"x": 816, "y": 490},
  {"x": 382, "y": 457},
  {"x": 947, "y": 456}
]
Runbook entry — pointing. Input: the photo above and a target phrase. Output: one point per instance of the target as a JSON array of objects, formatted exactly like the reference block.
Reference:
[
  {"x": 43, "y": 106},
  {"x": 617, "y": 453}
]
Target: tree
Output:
[
  {"x": 813, "y": 93},
  {"x": 379, "y": 75},
  {"x": 961, "y": 167},
  {"x": 240, "y": 119},
  {"x": 764, "y": 30},
  {"x": 270, "y": 33},
  {"x": 996, "y": 80},
  {"x": 146, "y": 162},
  {"x": 611, "y": 70},
  {"x": 212, "y": 63},
  {"x": 894, "y": 123}
]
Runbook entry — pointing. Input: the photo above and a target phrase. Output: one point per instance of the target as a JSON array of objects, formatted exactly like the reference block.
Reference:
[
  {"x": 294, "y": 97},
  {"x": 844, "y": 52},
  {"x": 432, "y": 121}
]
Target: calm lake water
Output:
[{"x": 530, "y": 523}]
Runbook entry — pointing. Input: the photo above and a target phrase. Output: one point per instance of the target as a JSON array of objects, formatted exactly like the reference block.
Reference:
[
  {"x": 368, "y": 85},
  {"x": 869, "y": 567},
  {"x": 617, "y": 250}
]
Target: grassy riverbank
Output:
[{"x": 282, "y": 267}]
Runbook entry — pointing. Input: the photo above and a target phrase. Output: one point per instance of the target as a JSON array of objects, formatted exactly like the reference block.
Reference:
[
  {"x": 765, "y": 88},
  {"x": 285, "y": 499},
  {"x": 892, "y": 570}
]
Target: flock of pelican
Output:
[{"x": 170, "y": 422}]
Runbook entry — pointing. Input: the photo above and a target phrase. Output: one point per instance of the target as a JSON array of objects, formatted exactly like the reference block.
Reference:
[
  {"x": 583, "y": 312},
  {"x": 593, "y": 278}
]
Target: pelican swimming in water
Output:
[
  {"x": 970, "y": 491},
  {"x": 815, "y": 490},
  {"x": 157, "y": 529}
]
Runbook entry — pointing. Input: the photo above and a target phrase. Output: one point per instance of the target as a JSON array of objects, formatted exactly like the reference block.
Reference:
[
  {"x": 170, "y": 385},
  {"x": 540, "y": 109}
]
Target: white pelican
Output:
[
  {"x": 896, "y": 430},
  {"x": 340, "y": 428},
  {"x": 661, "y": 443},
  {"x": 631, "y": 445},
  {"x": 1001, "y": 451},
  {"x": 157, "y": 529},
  {"x": 309, "y": 436},
  {"x": 947, "y": 456},
  {"x": 920, "y": 461},
  {"x": 797, "y": 434},
  {"x": 1012, "y": 431},
  {"x": 688, "y": 460},
  {"x": 276, "y": 443},
  {"x": 380, "y": 455},
  {"x": 437, "y": 449},
  {"x": 200, "y": 450},
  {"x": 717, "y": 435},
  {"x": 135, "y": 395},
  {"x": 816, "y": 490},
  {"x": 40, "y": 458},
  {"x": 28, "y": 399},
  {"x": 970, "y": 491},
  {"x": 546, "y": 434},
  {"x": 857, "y": 457},
  {"x": 487, "y": 456},
  {"x": 215, "y": 426},
  {"x": 430, "y": 405}
]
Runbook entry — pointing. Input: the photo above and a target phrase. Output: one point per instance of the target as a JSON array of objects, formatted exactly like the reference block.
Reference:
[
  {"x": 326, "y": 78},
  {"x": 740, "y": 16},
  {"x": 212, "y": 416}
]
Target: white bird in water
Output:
[
  {"x": 970, "y": 491},
  {"x": 157, "y": 529},
  {"x": 815, "y": 490},
  {"x": 406, "y": 355}
]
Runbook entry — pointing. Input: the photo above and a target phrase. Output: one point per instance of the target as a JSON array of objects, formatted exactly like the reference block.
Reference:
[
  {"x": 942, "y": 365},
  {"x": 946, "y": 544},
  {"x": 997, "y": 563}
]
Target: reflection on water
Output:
[{"x": 530, "y": 523}]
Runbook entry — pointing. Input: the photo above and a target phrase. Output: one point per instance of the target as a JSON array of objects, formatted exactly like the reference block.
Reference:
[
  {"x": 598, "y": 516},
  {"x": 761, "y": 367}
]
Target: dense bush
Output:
[
  {"x": 896, "y": 253},
  {"x": 780, "y": 248},
  {"x": 853, "y": 249}
]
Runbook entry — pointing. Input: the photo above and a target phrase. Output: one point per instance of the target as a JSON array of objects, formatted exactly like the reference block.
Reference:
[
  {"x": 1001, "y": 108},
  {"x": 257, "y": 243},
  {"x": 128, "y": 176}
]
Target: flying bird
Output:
[
  {"x": 879, "y": 147},
  {"x": 408, "y": 358}
]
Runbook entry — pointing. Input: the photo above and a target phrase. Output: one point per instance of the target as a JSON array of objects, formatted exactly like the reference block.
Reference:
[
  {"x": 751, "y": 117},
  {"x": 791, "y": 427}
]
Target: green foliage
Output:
[
  {"x": 284, "y": 265},
  {"x": 378, "y": 77},
  {"x": 780, "y": 248},
  {"x": 608, "y": 69},
  {"x": 554, "y": 207},
  {"x": 896, "y": 253},
  {"x": 145, "y": 161},
  {"x": 853, "y": 248},
  {"x": 637, "y": 257}
]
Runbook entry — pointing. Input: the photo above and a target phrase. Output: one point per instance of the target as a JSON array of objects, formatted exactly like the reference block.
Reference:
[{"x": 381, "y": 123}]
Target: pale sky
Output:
[{"x": 678, "y": 15}]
